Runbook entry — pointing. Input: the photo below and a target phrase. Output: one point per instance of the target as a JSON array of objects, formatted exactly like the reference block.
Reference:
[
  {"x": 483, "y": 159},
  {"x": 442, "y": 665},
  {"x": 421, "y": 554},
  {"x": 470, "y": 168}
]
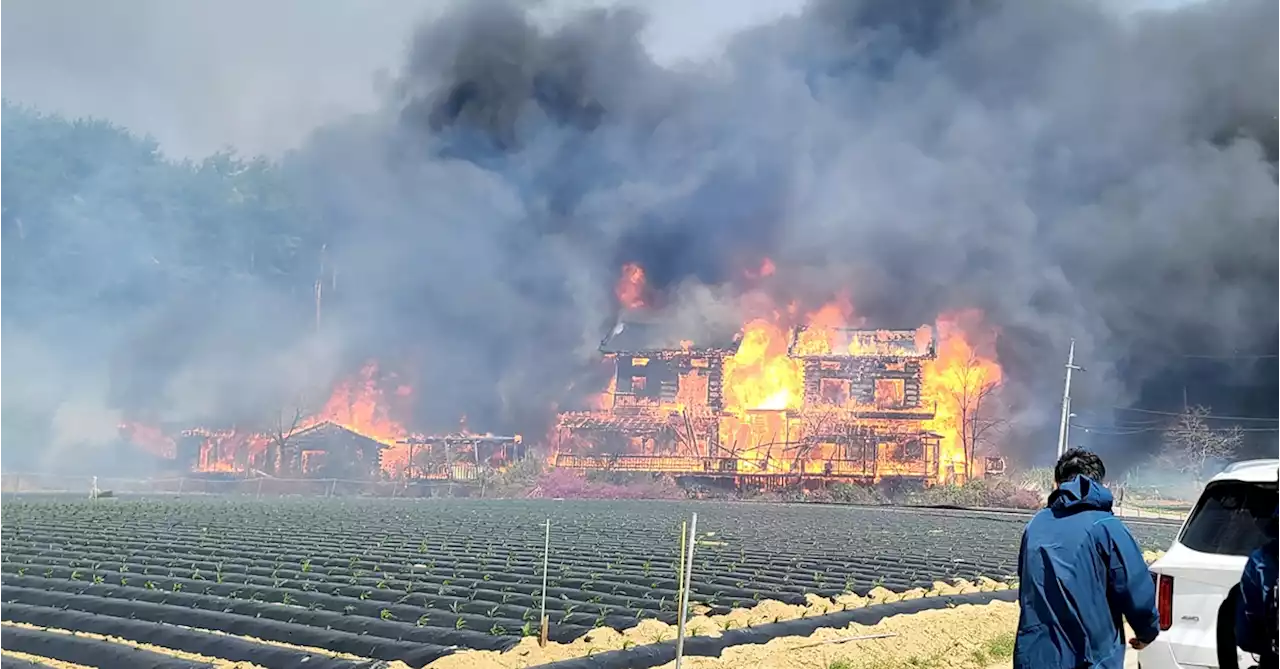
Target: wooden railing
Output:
[{"x": 719, "y": 466}]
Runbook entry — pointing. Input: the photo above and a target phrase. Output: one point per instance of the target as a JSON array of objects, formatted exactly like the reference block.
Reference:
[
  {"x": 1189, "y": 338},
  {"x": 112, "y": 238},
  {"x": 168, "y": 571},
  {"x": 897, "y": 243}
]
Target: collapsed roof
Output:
[
  {"x": 845, "y": 342},
  {"x": 639, "y": 337}
]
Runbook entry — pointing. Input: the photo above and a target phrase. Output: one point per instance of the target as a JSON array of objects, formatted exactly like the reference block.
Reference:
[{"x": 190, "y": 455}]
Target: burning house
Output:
[
  {"x": 765, "y": 404},
  {"x": 863, "y": 413},
  {"x": 662, "y": 407}
]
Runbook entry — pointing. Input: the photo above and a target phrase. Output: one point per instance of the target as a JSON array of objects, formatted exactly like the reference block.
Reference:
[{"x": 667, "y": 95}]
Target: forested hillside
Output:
[
  {"x": 96, "y": 217},
  {"x": 110, "y": 250}
]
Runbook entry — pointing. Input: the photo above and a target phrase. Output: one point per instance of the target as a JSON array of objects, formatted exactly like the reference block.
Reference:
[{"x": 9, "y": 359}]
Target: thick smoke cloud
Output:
[{"x": 1071, "y": 171}]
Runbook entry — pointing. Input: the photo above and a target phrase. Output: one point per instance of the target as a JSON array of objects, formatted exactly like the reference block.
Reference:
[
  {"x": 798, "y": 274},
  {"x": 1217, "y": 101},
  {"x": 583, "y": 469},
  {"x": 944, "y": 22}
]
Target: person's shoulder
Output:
[
  {"x": 1264, "y": 555},
  {"x": 1039, "y": 518}
]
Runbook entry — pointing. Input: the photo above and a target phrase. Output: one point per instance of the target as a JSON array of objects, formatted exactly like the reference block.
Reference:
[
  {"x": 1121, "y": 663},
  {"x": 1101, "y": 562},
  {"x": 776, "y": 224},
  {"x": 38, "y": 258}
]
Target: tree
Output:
[
  {"x": 1190, "y": 444},
  {"x": 975, "y": 390},
  {"x": 284, "y": 460}
]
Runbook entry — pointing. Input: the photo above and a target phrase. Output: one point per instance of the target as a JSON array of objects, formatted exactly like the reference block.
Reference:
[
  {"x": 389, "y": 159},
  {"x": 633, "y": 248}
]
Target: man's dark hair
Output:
[{"x": 1079, "y": 462}]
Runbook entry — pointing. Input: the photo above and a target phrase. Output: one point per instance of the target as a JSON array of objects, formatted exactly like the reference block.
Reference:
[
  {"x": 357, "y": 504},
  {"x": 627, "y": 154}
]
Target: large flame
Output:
[
  {"x": 761, "y": 376},
  {"x": 961, "y": 381},
  {"x": 630, "y": 289},
  {"x": 358, "y": 404},
  {"x": 764, "y": 383}
]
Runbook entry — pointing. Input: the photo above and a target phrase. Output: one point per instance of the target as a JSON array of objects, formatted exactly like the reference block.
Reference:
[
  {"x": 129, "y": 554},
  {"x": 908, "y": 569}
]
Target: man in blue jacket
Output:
[
  {"x": 1080, "y": 575},
  {"x": 1256, "y": 608}
]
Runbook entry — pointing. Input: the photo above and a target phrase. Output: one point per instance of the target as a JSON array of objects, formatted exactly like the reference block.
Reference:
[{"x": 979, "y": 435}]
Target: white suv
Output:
[{"x": 1194, "y": 579}]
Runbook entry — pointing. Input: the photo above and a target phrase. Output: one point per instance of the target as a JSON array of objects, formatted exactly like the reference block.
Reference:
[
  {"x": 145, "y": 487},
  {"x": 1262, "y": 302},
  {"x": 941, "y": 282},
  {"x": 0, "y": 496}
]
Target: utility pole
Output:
[{"x": 1066, "y": 400}]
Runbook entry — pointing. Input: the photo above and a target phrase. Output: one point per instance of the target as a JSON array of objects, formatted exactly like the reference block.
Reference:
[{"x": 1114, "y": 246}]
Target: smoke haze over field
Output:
[{"x": 1070, "y": 170}]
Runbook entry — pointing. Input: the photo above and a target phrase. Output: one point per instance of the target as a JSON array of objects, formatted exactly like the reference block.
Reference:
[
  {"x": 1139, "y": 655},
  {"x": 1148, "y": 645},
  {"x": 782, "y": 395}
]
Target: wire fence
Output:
[
  {"x": 259, "y": 486},
  {"x": 1129, "y": 511}
]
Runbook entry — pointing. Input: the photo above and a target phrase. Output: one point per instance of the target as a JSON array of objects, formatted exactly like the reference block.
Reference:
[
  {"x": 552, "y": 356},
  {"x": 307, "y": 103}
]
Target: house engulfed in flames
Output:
[{"x": 839, "y": 403}]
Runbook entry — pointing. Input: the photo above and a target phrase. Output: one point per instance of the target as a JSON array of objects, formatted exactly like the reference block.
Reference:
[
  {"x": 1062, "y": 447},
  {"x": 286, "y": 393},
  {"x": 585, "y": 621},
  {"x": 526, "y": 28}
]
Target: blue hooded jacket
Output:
[
  {"x": 1256, "y": 610},
  {"x": 1079, "y": 572}
]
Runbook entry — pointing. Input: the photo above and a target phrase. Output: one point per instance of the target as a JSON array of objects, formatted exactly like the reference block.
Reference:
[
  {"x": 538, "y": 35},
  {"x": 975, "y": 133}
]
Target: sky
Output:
[{"x": 259, "y": 76}]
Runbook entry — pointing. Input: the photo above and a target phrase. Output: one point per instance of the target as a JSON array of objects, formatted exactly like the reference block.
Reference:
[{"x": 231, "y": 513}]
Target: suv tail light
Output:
[{"x": 1164, "y": 601}]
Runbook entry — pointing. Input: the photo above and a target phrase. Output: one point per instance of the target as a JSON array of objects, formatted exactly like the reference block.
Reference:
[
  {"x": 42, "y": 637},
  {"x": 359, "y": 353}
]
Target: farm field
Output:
[{"x": 268, "y": 582}]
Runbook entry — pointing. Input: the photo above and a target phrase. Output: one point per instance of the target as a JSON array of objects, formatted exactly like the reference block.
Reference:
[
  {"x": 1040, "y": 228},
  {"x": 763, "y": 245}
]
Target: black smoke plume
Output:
[{"x": 1072, "y": 171}]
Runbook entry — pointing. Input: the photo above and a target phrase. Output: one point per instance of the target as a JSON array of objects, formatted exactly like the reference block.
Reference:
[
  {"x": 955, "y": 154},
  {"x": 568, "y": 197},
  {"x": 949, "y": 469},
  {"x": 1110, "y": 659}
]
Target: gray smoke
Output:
[{"x": 1069, "y": 170}]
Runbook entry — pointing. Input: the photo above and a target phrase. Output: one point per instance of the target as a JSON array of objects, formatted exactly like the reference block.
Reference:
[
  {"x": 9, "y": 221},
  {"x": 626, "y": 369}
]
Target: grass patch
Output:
[
  {"x": 993, "y": 650},
  {"x": 996, "y": 648}
]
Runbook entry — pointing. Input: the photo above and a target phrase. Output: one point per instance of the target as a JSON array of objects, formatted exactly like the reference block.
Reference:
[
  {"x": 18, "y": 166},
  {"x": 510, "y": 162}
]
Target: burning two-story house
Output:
[{"x": 858, "y": 412}]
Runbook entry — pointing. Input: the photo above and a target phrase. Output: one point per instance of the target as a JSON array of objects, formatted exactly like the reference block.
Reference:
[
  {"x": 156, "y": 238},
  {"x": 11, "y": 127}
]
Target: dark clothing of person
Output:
[
  {"x": 1255, "y": 619},
  {"x": 1080, "y": 574}
]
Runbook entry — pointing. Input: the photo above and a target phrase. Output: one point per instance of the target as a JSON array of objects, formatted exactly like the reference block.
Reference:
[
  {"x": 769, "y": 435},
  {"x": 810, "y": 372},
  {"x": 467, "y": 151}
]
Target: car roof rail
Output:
[{"x": 1248, "y": 463}]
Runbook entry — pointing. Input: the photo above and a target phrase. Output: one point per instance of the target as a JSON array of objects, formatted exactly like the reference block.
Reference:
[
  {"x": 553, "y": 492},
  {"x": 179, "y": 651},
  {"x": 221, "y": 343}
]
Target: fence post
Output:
[
  {"x": 684, "y": 593},
  {"x": 546, "y": 553},
  {"x": 259, "y": 489},
  {"x": 332, "y": 484}
]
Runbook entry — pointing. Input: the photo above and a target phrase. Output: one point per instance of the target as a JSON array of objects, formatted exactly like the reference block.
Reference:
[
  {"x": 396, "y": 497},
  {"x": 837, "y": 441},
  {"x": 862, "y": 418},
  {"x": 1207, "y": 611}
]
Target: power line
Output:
[
  {"x": 1121, "y": 430},
  {"x": 1238, "y": 356},
  {"x": 1206, "y": 416}
]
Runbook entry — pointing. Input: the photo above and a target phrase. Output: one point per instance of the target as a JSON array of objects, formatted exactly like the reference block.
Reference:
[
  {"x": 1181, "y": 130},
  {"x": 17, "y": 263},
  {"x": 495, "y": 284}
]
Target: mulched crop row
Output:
[
  {"x": 221, "y": 646},
  {"x": 412, "y": 579},
  {"x": 87, "y": 651}
]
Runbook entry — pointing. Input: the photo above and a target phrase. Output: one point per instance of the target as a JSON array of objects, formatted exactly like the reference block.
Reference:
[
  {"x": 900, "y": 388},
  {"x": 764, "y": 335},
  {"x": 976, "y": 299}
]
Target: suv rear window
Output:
[{"x": 1229, "y": 518}]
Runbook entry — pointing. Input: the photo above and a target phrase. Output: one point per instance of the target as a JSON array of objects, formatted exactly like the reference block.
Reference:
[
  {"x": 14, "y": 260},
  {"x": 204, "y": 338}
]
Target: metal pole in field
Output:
[
  {"x": 684, "y": 592},
  {"x": 546, "y": 553},
  {"x": 1066, "y": 400},
  {"x": 684, "y": 534}
]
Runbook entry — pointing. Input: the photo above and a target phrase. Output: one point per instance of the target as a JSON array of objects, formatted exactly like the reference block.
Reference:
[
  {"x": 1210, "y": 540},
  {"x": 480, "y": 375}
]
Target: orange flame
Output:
[
  {"x": 357, "y": 404},
  {"x": 150, "y": 438},
  {"x": 630, "y": 288},
  {"x": 761, "y": 376},
  {"x": 961, "y": 381},
  {"x": 767, "y": 268},
  {"x": 604, "y": 401}
]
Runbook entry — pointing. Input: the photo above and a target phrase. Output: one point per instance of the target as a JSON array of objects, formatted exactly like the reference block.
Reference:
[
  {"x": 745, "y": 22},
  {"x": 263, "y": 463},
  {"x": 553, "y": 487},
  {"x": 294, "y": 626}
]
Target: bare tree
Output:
[
  {"x": 1190, "y": 444},
  {"x": 286, "y": 425},
  {"x": 817, "y": 422},
  {"x": 979, "y": 412}
]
